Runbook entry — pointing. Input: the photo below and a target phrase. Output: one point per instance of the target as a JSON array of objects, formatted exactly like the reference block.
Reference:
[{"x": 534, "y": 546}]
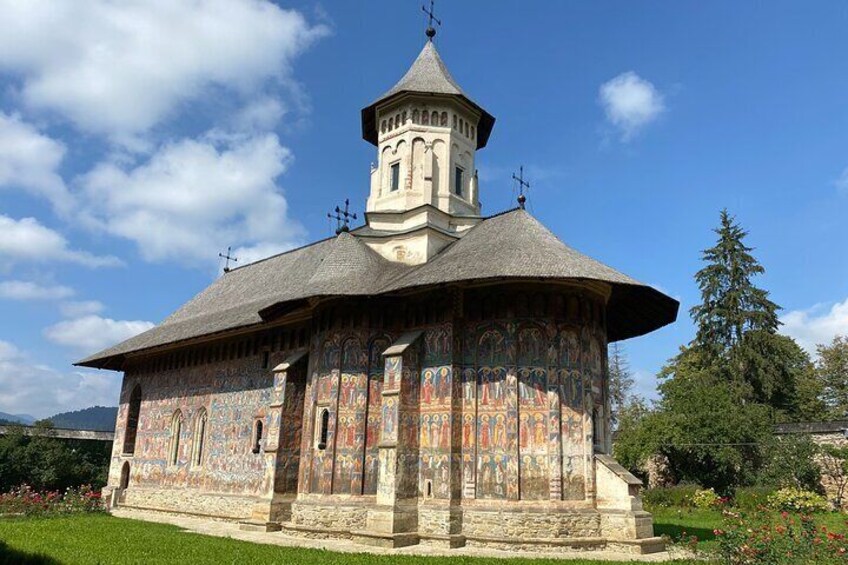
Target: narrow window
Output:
[
  {"x": 383, "y": 126},
  {"x": 391, "y": 124},
  {"x": 457, "y": 181},
  {"x": 325, "y": 429},
  {"x": 434, "y": 118},
  {"x": 125, "y": 475},
  {"x": 199, "y": 437},
  {"x": 266, "y": 359},
  {"x": 444, "y": 120},
  {"x": 395, "y": 177},
  {"x": 257, "y": 436},
  {"x": 176, "y": 430},
  {"x": 454, "y": 121},
  {"x": 415, "y": 117},
  {"x": 133, "y": 411},
  {"x": 425, "y": 118}
]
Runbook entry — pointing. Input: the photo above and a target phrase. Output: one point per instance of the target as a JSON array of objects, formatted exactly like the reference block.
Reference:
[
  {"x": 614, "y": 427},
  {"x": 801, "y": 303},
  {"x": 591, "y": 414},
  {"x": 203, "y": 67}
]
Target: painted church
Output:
[{"x": 433, "y": 376}]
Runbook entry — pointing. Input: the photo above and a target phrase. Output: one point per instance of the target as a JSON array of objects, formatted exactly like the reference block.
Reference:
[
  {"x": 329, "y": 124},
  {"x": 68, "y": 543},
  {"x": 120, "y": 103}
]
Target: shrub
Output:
[
  {"x": 666, "y": 497},
  {"x": 797, "y": 500},
  {"x": 757, "y": 538},
  {"x": 706, "y": 498},
  {"x": 751, "y": 498},
  {"x": 28, "y": 502}
]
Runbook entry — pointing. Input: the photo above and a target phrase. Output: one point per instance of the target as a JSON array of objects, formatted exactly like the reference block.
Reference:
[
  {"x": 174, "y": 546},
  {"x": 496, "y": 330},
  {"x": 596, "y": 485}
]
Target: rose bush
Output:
[
  {"x": 760, "y": 538},
  {"x": 24, "y": 501}
]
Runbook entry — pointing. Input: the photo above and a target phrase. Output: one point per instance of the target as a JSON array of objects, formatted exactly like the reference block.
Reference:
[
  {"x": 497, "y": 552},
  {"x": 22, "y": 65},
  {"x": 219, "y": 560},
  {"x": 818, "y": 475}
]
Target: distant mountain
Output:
[
  {"x": 18, "y": 418},
  {"x": 100, "y": 418}
]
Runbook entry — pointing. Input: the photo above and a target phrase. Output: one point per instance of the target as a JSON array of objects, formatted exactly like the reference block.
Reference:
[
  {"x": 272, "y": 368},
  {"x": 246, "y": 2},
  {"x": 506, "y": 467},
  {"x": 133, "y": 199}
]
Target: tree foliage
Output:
[
  {"x": 832, "y": 370},
  {"x": 47, "y": 463},
  {"x": 620, "y": 382},
  {"x": 731, "y": 304}
]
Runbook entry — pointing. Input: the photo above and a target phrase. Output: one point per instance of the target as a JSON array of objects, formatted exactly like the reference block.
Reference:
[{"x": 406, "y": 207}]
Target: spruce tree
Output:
[
  {"x": 731, "y": 304},
  {"x": 620, "y": 381}
]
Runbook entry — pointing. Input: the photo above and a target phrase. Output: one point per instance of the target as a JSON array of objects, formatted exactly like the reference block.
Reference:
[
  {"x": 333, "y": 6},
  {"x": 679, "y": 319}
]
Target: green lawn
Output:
[{"x": 103, "y": 539}]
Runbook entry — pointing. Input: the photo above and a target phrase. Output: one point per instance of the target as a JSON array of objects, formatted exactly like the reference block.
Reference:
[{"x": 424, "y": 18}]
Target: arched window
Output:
[
  {"x": 324, "y": 429},
  {"x": 454, "y": 121},
  {"x": 199, "y": 437},
  {"x": 125, "y": 475},
  {"x": 473, "y": 133},
  {"x": 383, "y": 126},
  {"x": 415, "y": 116},
  {"x": 397, "y": 120},
  {"x": 403, "y": 117},
  {"x": 176, "y": 431},
  {"x": 257, "y": 435},
  {"x": 461, "y": 125},
  {"x": 425, "y": 118},
  {"x": 391, "y": 124},
  {"x": 133, "y": 411},
  {"x": 444, "y": 120},
  {"x": 466, "y": 130},
  {"x": 434, "y": 118}
]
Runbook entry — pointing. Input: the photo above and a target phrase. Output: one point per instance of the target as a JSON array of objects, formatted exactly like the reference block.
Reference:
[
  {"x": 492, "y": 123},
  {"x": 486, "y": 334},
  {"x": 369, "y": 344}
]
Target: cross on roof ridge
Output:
[
  {"x": 522, "y": 184},
  {"x": 342, "y": 217}
]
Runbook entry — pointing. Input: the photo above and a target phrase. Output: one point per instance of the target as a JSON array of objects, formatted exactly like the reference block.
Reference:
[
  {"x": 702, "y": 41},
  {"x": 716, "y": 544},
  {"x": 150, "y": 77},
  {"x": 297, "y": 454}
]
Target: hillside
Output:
[
  {"x": 17, "y": 418},
  {"x": 93, "y": 418}
]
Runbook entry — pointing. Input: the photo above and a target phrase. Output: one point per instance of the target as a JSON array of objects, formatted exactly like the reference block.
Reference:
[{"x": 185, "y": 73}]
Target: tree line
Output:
[{"x": 721, "y": 395}]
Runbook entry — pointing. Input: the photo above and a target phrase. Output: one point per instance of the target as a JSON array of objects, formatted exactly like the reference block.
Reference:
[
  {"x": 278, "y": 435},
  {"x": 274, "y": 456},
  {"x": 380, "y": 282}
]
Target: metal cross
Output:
[
  {"x": 522, "y": 184},
  {"x": 342, "y": 217},
  {"x": 431, "y": 31},
  {"x": 228, "y": 257}
]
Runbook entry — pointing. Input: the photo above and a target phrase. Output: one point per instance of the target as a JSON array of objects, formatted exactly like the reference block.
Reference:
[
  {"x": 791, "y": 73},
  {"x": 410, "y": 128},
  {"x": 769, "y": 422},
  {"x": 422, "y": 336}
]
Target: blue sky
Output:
[{"x": 139, "y": 139}]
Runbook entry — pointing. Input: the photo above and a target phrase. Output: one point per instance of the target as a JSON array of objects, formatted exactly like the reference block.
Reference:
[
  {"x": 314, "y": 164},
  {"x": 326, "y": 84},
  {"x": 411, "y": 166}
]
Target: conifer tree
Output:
[
  {"x": 731, "y": 304},
  {"x": 620, "y": 381}
]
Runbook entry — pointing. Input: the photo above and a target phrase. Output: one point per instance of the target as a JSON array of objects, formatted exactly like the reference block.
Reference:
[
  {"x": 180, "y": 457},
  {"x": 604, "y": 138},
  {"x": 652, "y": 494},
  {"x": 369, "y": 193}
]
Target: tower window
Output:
[
  {"x": 395, "y": 177},
  {"x": 457, "y": 181}
]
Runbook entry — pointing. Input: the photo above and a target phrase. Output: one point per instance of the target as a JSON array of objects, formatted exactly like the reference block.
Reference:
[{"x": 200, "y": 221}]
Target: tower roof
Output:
[{"x": 428, "y": 75}]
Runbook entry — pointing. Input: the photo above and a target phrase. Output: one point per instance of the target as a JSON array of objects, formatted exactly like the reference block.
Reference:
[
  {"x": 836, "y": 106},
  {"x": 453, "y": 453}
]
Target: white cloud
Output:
[
  {"x": 842, "y": 183},
  {"x": 28, "y": 240},
  {"x": 25, "y": 290},
  {"x": 817, "y": 325},
  {"x": 30, "y": 387},
  {"x": 630, "y": 103},
  {"x": 29, "y": 161},
  {"x": 194, "y": 198},
  {"x": 92, "y": 333},
  {"x": 119, "y": 68},
  {"x": 76, "y": 309}
]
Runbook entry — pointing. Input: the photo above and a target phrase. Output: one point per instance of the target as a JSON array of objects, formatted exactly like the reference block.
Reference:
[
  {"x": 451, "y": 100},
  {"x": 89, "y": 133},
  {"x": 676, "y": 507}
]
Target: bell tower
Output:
[{"x": 424, "y": 190}]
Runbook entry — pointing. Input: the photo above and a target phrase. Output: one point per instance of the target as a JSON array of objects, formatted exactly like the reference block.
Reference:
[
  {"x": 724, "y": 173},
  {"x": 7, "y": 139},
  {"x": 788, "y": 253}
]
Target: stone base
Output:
[
  {"x": 452, "y": 541},
  {"x": 311, "y": 532},
  {"x": 637, "y": 547},
  {"x": 251, "y": 526},
  {"x": 547, "y": 545},
  {"x": 385, "y": 540}
]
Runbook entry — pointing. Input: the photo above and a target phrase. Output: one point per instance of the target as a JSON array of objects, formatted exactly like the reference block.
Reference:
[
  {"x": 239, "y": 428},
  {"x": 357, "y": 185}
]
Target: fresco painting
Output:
[
  {"x": 376, "y": 368},
  {"x": 350, "y": 418},
  {"x": 534, "y": 414}
]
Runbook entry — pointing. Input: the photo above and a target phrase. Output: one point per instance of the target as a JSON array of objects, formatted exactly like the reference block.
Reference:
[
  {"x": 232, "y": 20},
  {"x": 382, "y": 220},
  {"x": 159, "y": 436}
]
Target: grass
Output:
[{"x": 90, "y": 539}]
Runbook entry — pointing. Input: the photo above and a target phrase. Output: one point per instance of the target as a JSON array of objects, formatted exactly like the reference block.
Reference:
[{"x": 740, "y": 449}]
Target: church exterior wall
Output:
[
  {"x": 232, "y": 384},
  {"x": 487, "y": 422}
]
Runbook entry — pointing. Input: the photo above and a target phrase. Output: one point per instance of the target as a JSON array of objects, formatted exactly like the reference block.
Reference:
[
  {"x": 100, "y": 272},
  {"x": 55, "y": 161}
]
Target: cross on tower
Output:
[
  {"x": 522, "y": 184},
  {"x": 228, "y": 258},
  {"x": 342, "y": 217},
  {"x": 431, "y": 31}
]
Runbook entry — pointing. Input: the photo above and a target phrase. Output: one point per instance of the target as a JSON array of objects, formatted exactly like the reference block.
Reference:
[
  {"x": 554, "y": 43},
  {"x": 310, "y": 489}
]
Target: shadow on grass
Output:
[
  {"x": 674, "y": 531},
  {"x": 12, "y": 556}
]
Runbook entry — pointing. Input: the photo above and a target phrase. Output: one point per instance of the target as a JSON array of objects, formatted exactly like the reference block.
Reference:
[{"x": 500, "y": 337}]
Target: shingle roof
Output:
[
  {"x": 427, "y": 75},
  {"x": 512, "y": 245}
]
